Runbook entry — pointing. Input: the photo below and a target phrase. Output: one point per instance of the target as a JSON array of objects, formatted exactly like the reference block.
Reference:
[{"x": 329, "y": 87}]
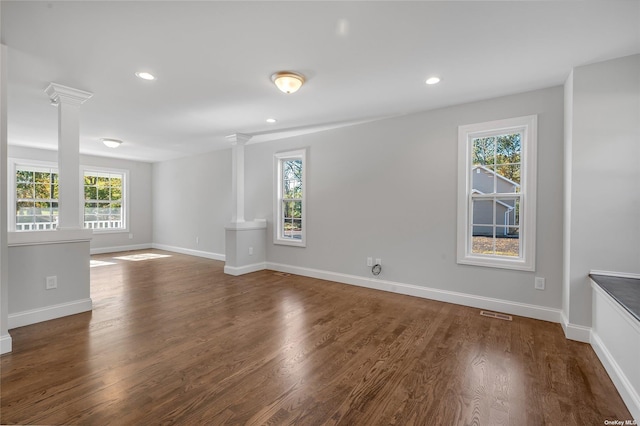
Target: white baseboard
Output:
[
  {"x": 101, "y": 250},
  {"x": 247, "y": 269},
  {"x": 5, "y": 344},
  {"x": 575, "y": 332},
  {"x": 191, "y": 252},
  {"x": 619, "y": 379},
  {"x": 33, "y": 316},
  {"x": 500, "y": 305}
]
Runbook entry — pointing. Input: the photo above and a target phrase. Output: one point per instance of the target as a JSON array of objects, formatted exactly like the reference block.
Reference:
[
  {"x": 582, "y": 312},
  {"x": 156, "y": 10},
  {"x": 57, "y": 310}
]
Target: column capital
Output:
[
  {"x": 66, "y": 95},
  {"x": 238, "y": 138}
]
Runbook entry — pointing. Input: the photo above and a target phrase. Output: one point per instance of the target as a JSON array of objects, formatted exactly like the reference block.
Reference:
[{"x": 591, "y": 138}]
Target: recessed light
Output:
[
  {"x": 145, "y": 75},
  {"x": 433, "y": 80},
  {"x": 271, "y": 120}
]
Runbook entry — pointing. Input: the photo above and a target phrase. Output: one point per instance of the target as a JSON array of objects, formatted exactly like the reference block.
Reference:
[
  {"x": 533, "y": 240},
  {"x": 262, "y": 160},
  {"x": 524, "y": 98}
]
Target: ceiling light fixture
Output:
[
  {"x": 271, "y": 120},
  {"x": 145, "y": 75},
  {"x": 433, "y": 80},
  {"x": 111, "y": 143},
  {"x": 287, "y": 81}
]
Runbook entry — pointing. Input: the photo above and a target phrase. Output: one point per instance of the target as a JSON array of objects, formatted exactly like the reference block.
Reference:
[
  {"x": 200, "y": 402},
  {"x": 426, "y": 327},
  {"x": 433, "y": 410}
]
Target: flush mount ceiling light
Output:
[
  {"x": 271, "y": 120},
  {"x": 433, "y": 80},
  {"x": 111, "y": 143},
  {"x": 145, "y": 75},
  {"x": 287, "y": 81}
]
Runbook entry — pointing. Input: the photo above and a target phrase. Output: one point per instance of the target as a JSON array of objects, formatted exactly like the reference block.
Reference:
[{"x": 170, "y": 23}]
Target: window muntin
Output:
[
  {"x": 290, "y": 198},
  {"x": 496, "y": 200},
  {"x": 104, "y": 198},
  {"x": 36, "y": 198}
]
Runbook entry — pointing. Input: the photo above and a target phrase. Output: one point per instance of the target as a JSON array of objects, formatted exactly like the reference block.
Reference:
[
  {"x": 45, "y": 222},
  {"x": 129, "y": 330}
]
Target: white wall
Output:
[
  {"x": 140, "y": 204},
  {"x": 604, "y": 177},
  {"x": 192, "y": 199},
  {"x": 5, "y": 338},
  {"x": 387, "y": 189}
]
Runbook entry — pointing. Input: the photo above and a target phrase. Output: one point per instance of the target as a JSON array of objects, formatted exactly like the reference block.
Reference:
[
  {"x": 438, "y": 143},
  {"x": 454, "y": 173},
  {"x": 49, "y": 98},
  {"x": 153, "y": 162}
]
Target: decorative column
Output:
[
  {"x": 238, "y": 141},
  {"x": 68, "y": 101},
  {"x": 245, "y": 241}
]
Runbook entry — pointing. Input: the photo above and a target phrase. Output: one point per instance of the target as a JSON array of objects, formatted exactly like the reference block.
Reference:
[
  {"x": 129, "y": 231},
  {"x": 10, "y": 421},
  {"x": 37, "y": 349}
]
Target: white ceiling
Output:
[{"x": 213, "y": 62}]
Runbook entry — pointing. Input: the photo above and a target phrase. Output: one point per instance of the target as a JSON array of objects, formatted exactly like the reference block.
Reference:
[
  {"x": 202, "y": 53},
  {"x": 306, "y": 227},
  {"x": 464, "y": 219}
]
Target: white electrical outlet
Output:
[
  {"x": 52, "y": 282},
  {"x": 250, "y": 251},
  {"x": 197, "y": 240},
  {"x": 369, "y": 261},
  {"x": 131, "y": 236},
  {"x": 539, "y": 283},
  {"x": 378, "y": 261}
]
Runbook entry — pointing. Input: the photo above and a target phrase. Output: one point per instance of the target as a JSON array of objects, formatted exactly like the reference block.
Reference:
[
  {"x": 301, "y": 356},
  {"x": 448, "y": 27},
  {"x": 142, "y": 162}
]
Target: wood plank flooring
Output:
[{"x": 175, "y": 341}]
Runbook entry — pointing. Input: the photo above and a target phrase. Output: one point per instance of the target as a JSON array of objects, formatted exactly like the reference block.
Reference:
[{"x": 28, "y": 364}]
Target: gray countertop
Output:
[{"x": 624, "y": 290}]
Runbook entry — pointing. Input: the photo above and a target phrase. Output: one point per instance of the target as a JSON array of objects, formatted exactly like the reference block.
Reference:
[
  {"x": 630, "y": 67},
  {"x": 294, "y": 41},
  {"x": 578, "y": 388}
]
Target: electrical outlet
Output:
[
  {"x": 52, "y": 282},
  {"x": 379, "y": 261},
  {"x": 369, "y": 261},
  {"x": 197, "y": 240},
  {"x": 539, "y": 283},
  {"x": 131, "y": 236},
  {"x": 250, "y": 251}
]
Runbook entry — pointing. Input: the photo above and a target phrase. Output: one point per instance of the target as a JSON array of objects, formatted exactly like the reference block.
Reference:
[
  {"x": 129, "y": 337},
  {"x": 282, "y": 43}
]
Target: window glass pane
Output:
[
  {"x": 508, "y": 148},
  {"x": 42, "y": 191},
  {"x": 483, "y": 179},
  {"x": 482, "y": 212},
  {"x": 103, "y": 193},
  {"x": 116, "y": 193},
  {"x": 42, "y": 177},
  {"x": 508, "y": 177},
  {"x": 25, "y": 190},
  {"x": 292, "y": 188},
  {"x": 507, "y": 211},
  {"x": 292, "y": 209},
  {"x": 507, "y": 242},
  {"x": 24, "y": 219},
  {"x": 482, "y": 240},
  {"x": 90, "y": 192},
  {"x": 24, "y": 208},
  {"x": 484, "y": 151},
  {"x": 24, "y": 176}
]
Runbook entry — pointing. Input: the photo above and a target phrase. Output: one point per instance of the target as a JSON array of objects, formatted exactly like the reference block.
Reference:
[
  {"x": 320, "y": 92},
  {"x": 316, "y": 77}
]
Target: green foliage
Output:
[{"x": 500, "y": 153}]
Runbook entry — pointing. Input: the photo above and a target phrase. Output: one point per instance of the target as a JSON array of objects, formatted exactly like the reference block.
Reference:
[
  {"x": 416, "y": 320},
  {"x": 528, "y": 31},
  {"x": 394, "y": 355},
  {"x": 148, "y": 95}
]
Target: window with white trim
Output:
[
  {"x": 290, "y": 204},
  {"x": 35, "y": 197},
  {"x": 104, "y": 199},
  {"x": 33, "y": 202},
  {"x": 497, "y": 193}
]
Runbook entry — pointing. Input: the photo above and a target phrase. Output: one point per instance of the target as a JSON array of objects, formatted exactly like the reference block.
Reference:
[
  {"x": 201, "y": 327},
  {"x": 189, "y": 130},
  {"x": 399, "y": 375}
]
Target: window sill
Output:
[
  {"x": 290, "y": 243},
  {"x": 30, "y": 238},
  {"x": 501, "y": 263},
  {"x": 108, "y": 231}
]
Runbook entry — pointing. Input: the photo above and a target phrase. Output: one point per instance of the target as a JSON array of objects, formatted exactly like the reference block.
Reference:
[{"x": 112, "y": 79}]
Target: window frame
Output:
[
  {"x": 279, "y": 158},
  {"x": 125, "y": 198},
  {"x": 14, "y": 164},
  {"x": 527, "y": 126}
]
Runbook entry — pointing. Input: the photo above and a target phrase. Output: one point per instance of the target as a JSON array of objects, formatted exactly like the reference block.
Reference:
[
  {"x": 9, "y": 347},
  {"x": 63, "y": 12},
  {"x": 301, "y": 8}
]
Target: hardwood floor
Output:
[{"x": 174, "y": 340}]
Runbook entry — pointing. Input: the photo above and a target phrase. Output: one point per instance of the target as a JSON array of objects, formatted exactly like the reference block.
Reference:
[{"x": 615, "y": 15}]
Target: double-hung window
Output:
[
  {"x": 35, "y": 197},
  {"x": 104, "y": 199},
  {"x": 290, "y": 209},
  {"x": 497, "y": 193},
  {"x": 33, "y": 200}
]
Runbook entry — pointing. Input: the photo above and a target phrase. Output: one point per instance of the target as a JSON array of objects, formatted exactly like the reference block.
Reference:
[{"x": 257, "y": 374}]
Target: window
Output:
[
  {"x": 290, "y": 198},
  {"x": 104, "y": 199},
  {"x": 497, "y": 193},
  {"x": 35, "y": 206}
]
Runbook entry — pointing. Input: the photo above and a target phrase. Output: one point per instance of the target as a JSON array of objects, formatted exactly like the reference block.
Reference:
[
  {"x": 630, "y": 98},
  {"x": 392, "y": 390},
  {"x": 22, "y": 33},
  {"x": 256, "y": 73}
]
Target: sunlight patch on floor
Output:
[
  {"x": 142, "y": 256},
  {"x": 94, "y": 263}
]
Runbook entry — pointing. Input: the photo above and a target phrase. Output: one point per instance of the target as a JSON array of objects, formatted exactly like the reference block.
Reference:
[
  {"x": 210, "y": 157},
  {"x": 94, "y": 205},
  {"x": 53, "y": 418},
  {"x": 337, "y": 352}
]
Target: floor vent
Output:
[
  {"x": 282, "y": 274},
  {"x": 496, "y": 315}
]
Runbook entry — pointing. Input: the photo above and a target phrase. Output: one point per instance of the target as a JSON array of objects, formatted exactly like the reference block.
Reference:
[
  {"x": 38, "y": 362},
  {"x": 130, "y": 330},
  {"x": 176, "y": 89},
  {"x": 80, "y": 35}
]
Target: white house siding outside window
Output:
[
  {"x": 290, "y": 202},
  {"x": 497, "y": 193}
]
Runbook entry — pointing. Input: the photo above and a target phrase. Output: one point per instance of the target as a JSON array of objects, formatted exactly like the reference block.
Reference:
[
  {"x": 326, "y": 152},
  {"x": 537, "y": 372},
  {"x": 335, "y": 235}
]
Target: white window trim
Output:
[
  {"x": 11, "y": 182},
  {"x": 277, "y": 210},
  {"x": 125, "y": 197},
  {"x": 528, "y": 126}
]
